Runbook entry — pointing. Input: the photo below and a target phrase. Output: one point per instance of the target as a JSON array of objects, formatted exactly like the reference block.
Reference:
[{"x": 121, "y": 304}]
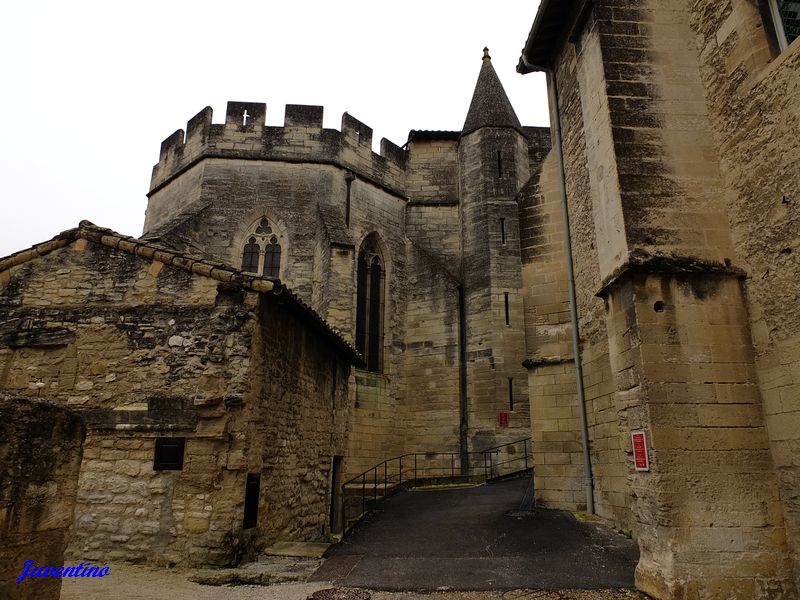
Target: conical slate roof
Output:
[{"x": 490, "y": 106}]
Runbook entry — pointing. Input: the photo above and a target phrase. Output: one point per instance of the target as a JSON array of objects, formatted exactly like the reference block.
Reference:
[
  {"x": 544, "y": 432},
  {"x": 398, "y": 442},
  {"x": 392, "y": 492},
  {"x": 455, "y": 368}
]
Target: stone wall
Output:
[
  {"x": 296, "y": 426},
  {"x": 432, "y": 359},
  {"x": 147, "y": 351},
  {"x": 711, "y": 489},
  {"x": 750, "y": 94},
  {"x": 671, "y": 350},
  {"x": 555, "y": 429},
  {"x": 492, "y": 281},
  {"x": 433, "y": 171},
  {"x": 40, "y": 456},
  {"x": 606, "y": 423}
]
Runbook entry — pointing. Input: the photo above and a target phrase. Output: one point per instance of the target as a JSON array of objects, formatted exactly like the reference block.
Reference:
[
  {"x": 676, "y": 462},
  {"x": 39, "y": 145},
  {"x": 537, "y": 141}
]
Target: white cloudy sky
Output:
[{"x": 89, "y": 89}]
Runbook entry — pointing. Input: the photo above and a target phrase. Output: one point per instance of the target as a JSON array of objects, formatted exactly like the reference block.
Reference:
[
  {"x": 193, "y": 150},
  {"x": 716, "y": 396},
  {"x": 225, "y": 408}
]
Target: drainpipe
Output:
[{"x": 555, "y": 128}]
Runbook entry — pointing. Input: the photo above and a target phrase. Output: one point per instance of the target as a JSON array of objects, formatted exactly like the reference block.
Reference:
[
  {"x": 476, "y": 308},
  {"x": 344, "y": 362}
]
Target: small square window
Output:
[{"x": 169, "y": 454}]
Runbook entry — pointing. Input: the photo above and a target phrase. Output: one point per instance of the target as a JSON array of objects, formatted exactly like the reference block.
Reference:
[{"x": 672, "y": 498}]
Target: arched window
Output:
[
  {"x": 369, "y": 304},
  {"x": 262, "y": 252},
  {"x": 250, "y": 256}
]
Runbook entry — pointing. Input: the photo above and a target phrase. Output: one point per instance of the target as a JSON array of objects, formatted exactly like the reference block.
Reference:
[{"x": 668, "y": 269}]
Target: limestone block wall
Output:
[
  {"x": 432, "y": 169},
  {"x": 544, "y": 269},
  {"x": 431, "y": 406},
  {"x": 436, "y": 229},
  {"x": 682, "y": 343},
  {"x": 750, "y": 90},
  {"x": 555, "y": 428},
  {"x": 127, "y": 510},
  {"x": 147, "y": 351},
  {"x": 144, "y": 349},
  {"x": 40, "y": 456},
  {"x": 646, "y": 184},
  {"x": 556, "y": 436},
  {"x": 654, "y": 170},
  {"x": 236, "y": 194},
  {"x": 375, "y": 434},
  {"x": 244, "y": 135},
  {"x": 606, "y": 423}
]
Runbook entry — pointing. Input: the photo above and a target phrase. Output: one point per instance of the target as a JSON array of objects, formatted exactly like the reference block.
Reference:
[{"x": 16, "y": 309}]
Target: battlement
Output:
[{"x": 244, "y": 135}]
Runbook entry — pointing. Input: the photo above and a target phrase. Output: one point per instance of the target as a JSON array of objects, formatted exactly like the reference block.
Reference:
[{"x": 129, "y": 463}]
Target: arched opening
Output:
[
  {"x": 370, "y": 283},
  {"x": 261, "y": 254}
]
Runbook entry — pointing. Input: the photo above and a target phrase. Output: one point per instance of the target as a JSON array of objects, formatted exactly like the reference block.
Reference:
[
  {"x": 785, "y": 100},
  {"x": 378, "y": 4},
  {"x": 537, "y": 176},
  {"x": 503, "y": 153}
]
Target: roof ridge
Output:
[{"x": 218, "y": 271}]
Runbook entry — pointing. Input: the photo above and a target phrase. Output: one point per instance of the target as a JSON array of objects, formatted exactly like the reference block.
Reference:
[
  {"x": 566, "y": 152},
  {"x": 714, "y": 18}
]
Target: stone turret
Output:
[{"x": 493, "y": 158}]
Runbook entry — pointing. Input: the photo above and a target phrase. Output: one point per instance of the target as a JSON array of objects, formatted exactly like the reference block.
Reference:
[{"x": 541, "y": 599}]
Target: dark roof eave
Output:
[
  {"x": 552, "y": 20},
  {"x": 424, "y": 134}
]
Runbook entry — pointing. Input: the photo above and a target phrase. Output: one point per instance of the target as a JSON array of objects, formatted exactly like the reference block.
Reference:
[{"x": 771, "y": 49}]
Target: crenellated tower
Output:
[{"x": 413, "y": 253}]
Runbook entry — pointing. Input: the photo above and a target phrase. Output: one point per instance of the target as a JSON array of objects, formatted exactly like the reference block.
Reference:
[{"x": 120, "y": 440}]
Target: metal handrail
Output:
[{"x": 396, "y": 477}]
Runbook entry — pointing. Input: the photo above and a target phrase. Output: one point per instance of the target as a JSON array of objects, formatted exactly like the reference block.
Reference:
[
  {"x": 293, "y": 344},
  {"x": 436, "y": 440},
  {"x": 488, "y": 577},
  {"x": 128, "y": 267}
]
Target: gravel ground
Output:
[{"x": 132, "y": 582}]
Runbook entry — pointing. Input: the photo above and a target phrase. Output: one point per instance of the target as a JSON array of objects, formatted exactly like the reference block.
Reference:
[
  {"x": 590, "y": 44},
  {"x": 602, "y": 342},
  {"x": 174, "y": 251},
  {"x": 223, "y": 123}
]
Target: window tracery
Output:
[{"x": 261, "y": 254}]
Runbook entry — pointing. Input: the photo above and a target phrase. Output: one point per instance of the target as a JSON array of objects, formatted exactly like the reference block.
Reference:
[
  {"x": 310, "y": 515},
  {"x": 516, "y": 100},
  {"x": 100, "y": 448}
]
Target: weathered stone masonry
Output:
[
  {"x": 444, "y": 213},
  {"x": 148, "y": 344},
  {"x": 679, "y": 178},
  {"x": 40, "y": 457},
  {"x": 188, "y": 334}
]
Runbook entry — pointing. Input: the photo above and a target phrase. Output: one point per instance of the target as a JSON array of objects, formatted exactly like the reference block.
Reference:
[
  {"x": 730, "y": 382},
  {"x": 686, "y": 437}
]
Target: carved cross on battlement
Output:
[{"x": 245, "y": 116}]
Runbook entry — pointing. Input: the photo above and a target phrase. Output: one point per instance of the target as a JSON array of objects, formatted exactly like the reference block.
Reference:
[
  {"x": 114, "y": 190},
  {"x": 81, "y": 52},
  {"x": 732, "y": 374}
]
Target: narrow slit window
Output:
[
  {"x": 168, "y": 454},
  {"x": 511, "y": 394},
  {"x": 499, "y": 163},
  {"x": 349, "y": 180},
  {"x": 503, "y": 231},
  {"x": 505, "y": 299},
  {"x": 251, "y": 493}
]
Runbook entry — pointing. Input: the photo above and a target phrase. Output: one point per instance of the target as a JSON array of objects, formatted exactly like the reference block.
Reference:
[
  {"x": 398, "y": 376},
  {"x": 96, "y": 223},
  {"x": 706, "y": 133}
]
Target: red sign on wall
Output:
[
  {"x": 640, "y": 460},
  {"x": 503, "y": 419}
]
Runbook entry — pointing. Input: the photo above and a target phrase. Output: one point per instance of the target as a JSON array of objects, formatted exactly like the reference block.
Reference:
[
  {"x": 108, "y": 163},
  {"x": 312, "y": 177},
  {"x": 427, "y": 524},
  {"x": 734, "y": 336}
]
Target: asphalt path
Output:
[{"x": 477, "y": 539}]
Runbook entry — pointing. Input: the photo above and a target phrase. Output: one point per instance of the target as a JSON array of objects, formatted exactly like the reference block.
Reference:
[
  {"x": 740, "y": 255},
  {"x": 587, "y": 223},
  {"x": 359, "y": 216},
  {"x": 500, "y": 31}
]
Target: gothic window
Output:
[
  {"x": 262, "y": 252},
  {"x": 786, "y": 20},
  {"x": 272, "y": 258},
  {"x": 369, "y": 304},
  {"x": 250, "y": 256}
]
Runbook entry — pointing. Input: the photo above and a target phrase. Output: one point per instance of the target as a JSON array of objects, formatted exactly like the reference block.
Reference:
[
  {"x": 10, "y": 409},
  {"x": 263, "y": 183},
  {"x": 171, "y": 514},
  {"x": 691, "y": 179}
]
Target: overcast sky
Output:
[{"x": 90, "y": 89}]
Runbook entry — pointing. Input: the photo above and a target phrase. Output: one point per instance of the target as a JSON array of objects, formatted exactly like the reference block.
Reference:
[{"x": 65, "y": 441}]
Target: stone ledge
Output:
[{"x": 642, "y": 262}]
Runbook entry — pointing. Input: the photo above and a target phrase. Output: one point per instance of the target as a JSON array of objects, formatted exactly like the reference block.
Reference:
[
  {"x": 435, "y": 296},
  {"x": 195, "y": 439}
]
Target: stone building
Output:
[
  {"x": 216, "y": 402},
  {"x": 221, "y": 408},
  {"x": 675, "y": 140},
  {"x": 414, "y": 254}
]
